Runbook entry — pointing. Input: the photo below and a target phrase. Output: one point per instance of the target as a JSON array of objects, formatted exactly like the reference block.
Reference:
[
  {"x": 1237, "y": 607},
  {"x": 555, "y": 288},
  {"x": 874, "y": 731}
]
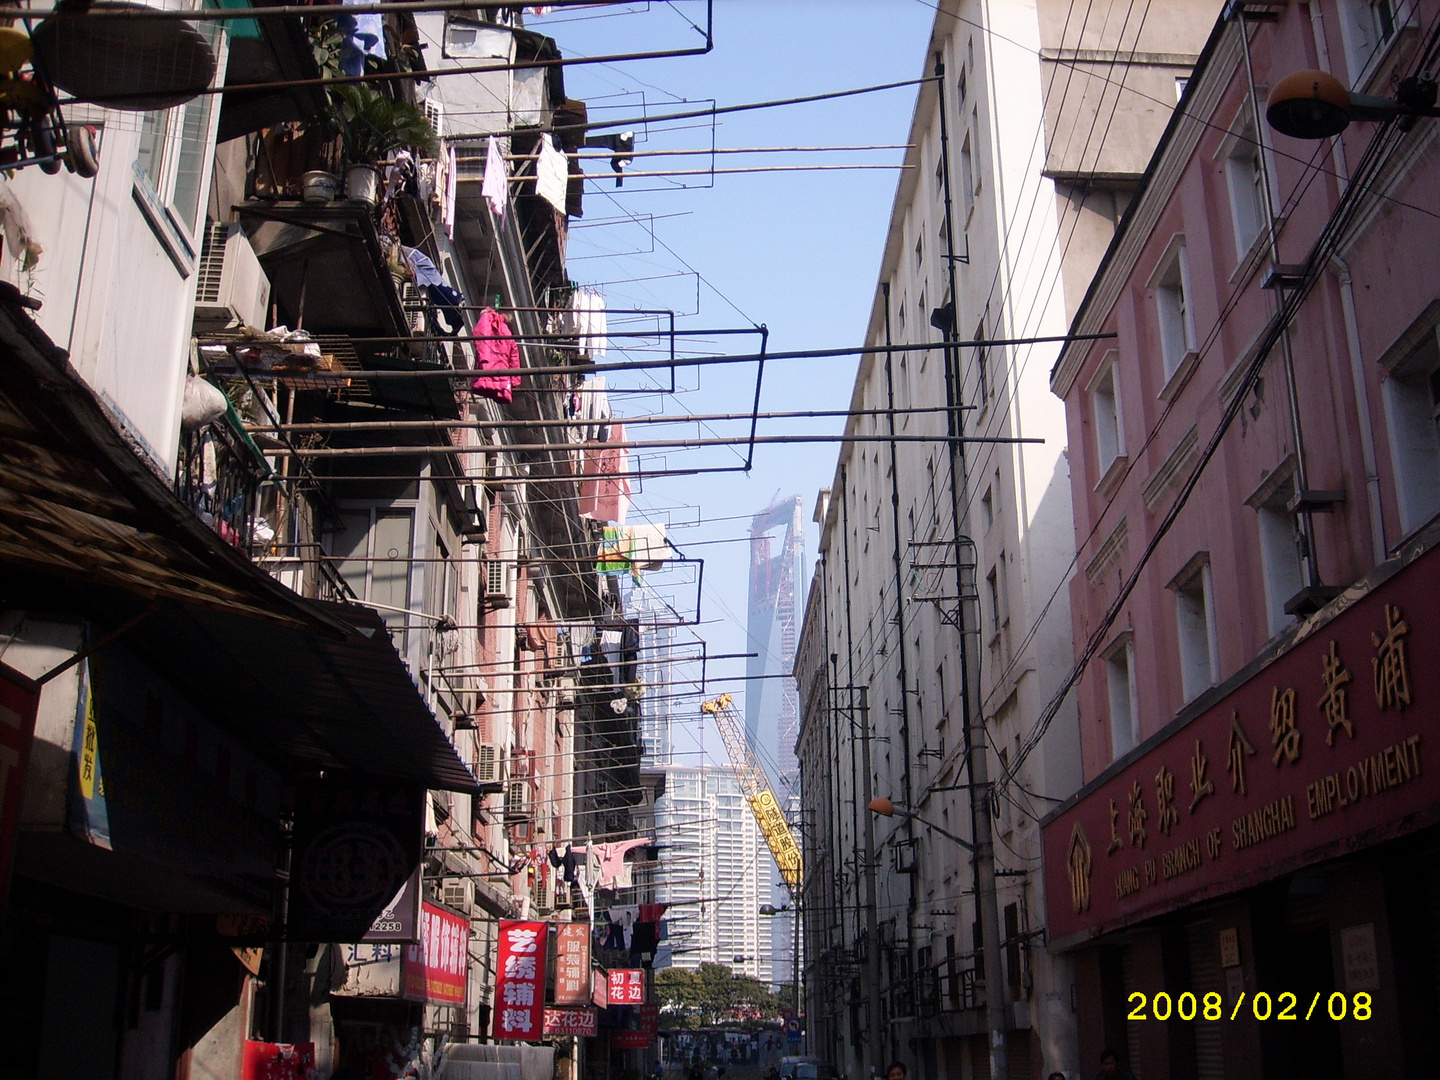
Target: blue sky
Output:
[{"x": 796, "y": 251}]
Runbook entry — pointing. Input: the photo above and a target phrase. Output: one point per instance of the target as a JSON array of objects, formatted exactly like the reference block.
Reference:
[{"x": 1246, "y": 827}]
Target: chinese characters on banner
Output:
[
  {"x": 579, "y": 1022},
  {"x": 278, "y": 1061},
  {"x": 572, "y": 964},
  {"x": 19, "y": 698},
  {"x": 435, "y": 969},
  {"x": 627, "y": 986},
  {"x": 520, "y": 989}
]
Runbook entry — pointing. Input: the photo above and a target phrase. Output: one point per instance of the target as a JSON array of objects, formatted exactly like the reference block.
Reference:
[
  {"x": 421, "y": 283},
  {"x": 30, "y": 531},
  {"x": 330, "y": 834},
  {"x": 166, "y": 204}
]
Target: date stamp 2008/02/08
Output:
[{"x": 1257, "y": 1006}]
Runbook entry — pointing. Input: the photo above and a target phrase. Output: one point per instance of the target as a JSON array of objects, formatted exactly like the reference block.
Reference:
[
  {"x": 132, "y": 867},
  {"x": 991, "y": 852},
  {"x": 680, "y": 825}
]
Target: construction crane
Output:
[{"x": 756, "y": 789}]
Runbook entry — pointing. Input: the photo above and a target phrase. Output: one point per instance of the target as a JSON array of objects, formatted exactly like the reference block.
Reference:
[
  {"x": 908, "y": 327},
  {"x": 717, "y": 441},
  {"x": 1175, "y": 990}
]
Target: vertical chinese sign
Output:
[
  {"x": 520, "y": 990},
  {"x": 572, "y": 964},
  {"x": 19, "y": 698},
  {"x": 436, "y": 969}
]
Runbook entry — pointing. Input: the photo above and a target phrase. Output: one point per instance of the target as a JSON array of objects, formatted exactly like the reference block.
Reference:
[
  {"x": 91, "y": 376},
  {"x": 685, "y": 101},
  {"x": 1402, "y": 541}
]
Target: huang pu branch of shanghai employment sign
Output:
[{"x": 1319, "y": 752}]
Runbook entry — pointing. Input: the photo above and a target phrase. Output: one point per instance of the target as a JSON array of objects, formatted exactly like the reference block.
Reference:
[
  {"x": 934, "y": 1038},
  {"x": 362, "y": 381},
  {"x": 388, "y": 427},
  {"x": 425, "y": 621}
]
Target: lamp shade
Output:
[
  {"x": 1308, "y": 105},
  {"x": 137, "y": 64},
  {"x": 882, "y": 806}
]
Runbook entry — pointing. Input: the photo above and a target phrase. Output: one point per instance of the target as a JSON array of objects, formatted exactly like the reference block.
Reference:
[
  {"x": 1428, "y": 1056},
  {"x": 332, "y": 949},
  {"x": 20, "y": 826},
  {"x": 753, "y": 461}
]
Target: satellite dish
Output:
[{"x": 134, "y": 64}]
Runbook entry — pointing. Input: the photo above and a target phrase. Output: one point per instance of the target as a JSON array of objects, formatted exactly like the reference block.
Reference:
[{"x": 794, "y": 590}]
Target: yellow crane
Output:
[{"x": 756, "y": 789}]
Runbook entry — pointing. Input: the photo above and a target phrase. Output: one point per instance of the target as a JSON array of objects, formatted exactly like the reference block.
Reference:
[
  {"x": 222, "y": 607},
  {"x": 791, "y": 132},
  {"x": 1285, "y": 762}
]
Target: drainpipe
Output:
[
  {"x": 1304, "y": 518},
  {"x": 903, "y": 674},
  {"x": 1378, "y": 547},
  {"x": 867, "y": 819},
  {"x": 972, "y": 718}
]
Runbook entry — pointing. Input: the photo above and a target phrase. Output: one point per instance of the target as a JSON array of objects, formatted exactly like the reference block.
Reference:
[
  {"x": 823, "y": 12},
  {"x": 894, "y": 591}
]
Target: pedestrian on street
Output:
[
  {"x": 1110, "y": 1067},
  {"x": 897, "y": 1071}
]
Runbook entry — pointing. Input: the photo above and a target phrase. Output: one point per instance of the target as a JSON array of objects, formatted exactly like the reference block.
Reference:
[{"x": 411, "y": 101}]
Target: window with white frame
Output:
[
  {"x": 172, "y": 162},
  {"x": 1412, "y": 407},
  {"x": 1105, "y": 404},
  {"x": 1175, "y": 322},
  {"x": 1120, "y": 689},
  {"x": 1195, "y": 626},
  {"x": 1368, "y": 27},
  {"x": 982, "y": 365},
  {"x": 1245, "y": 178}
]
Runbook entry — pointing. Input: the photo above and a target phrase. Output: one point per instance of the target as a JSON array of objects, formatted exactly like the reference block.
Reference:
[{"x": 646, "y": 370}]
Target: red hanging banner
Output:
[
  {"x": 627, "y": 986},
  {"x": 435, "y": 969},
  {"x": 520, "y": 991}
]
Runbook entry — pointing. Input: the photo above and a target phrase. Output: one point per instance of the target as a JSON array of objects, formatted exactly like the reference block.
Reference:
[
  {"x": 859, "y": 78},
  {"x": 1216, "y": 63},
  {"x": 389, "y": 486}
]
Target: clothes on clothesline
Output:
[
  {"x": 591, "y": 322},
  {"x": 605, "y": 489},
  {"x": 496, "y": 186},
  {"x": 495, "y": 350},
  {"x": 589, "y": 406},
  {"x": 448, "y": 306},
  {"x": 552, "y": 174},
  {"x": 360, "y": 36}
]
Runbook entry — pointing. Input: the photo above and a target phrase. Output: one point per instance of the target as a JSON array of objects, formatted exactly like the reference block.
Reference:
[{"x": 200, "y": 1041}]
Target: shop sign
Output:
[
  {"x": 437, "y": 966},
  {"x": 278, "y": 1061},
  {"x": 357, "y": 845},
  {"x": 1322, "y": 750},
  {"x": 631, "y": 1040},
  {"x": 19, "y": 700},
  {"x": 572, "y": 963},
  {"x": 626, "y": 986},
  {"x": 372, "y": 969},
  {"x": 650, "y": 1019},
  {"x": 579, "y": 1022},
  {"x": 520, "y": 988},
  {"x": 399, "y": 918}
]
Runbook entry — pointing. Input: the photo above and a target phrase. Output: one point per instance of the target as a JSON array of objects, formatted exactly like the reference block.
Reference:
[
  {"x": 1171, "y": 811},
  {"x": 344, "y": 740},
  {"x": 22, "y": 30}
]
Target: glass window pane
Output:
[
  {"x": 151, "y": 155},
  {"x": 194, "y": 128}
]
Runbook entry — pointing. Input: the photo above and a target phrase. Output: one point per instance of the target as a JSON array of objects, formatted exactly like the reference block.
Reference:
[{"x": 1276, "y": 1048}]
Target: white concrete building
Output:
[
  {"x": 714, "y": 872},
  {"x": 1024, "y": 152}
]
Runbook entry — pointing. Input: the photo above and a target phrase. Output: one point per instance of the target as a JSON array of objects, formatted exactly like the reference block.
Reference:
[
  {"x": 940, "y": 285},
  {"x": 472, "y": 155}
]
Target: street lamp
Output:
[
  {"x": 771, "y": 909},
  {"x": 1315, "y": 104},
  {"x": 885, "y": 808}
]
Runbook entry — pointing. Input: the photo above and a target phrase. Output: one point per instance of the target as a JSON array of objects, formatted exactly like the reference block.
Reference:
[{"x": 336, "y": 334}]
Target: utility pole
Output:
[{"x": 973, "y": 722}]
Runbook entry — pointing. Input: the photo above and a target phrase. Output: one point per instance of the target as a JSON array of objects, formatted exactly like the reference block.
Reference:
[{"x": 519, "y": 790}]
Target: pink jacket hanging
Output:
[{"x": 495, "y": 350}]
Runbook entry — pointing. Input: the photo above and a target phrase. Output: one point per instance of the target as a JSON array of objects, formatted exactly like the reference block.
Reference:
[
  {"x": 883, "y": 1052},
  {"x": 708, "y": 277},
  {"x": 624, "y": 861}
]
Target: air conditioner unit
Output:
[
  {"x": 497, "y": 583},
  {"x": 489, "y": 764},
  {"x": 517, "y": 800},
  {"x": 435, "y": 113},
  {"x": 542, "y": 894},
  {"x": 455, "y": 893},
  {"x": 231, "y": 287},
  {"x": 413, "y": 301}
]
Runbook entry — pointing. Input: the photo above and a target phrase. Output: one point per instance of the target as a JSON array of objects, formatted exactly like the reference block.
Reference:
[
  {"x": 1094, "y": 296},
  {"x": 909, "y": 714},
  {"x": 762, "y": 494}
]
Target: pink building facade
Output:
[{"x": 1252, "y": 430}]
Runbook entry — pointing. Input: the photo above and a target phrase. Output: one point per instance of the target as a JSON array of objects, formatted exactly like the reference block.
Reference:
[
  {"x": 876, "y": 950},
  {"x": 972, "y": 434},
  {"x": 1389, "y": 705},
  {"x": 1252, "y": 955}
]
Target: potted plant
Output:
[{"x": 371, "y": 127}]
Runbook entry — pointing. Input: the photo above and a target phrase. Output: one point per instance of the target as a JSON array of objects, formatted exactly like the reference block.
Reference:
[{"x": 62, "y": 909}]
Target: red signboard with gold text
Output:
[
  {"x": 19, "y": 698},
  {"x": 520, "y": 988},
  {"x": 572, "y": 964},
  {"x": 1322, "y": 751}
]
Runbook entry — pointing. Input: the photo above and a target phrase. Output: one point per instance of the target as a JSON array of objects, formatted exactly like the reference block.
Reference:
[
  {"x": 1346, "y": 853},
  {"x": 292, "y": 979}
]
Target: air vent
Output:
[
  {"x": 487, "y": 763},
  {"x": 517, "y": 800}
]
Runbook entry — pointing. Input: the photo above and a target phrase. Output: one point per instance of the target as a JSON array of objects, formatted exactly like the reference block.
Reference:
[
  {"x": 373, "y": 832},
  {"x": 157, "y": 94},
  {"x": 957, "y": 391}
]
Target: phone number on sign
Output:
[{"x": 1260, "y": 1006}]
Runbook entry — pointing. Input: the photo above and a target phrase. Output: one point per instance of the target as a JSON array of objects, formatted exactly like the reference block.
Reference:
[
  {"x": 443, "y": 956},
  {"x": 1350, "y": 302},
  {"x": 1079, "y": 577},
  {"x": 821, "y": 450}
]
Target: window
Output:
[
  {"x": 1120, "y": 686},
  {"x": 1368, "y": 26},
  {"x": 1245, "y": 177},
  {"x": 1195, "y": 624},
  {"x": 1172, "y": 303},
  {"x": 920, "y": 254},
  {"x": 1105, "y": 401},
  {"x": 1280, "y": 545},
  {"x": 1412, "y": 406},
  {"x": 992, "y": 588},
  {"x": 960, "y": 89},
  {"x": 967, "y": 178},
  {"x": 987, "y": 508},
  {"x": 1181, "y": 81},
  {"x": 982, "y": 365},
  {"x": 171, "y": 164}
]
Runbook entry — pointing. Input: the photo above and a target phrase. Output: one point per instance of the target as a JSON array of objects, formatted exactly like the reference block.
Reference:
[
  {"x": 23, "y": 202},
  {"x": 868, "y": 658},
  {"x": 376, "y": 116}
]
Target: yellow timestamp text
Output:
[{"x": 1258, "y": 1006}]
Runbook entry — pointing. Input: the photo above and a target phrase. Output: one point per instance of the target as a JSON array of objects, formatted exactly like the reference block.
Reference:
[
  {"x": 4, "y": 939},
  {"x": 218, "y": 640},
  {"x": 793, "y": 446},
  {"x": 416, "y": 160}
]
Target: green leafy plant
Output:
[{"x": 371, "y": 126}]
